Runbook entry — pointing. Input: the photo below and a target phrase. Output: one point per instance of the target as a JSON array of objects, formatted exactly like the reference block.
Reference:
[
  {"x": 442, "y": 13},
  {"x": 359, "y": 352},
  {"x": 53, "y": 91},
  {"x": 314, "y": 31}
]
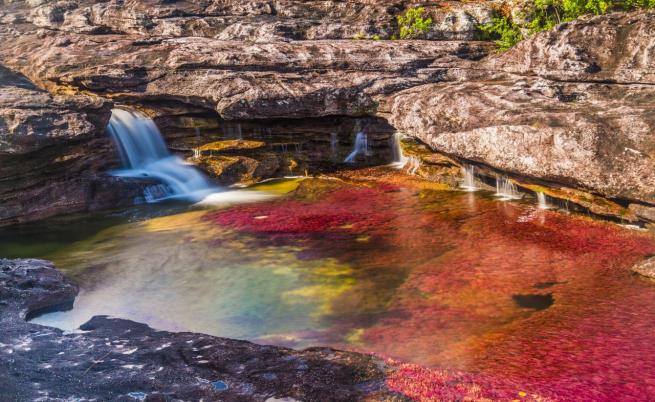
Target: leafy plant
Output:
[
  {"x": 412, "y": 24},
  {"x": 542, "y": 15},
  {"x": 503, "y": 31}
]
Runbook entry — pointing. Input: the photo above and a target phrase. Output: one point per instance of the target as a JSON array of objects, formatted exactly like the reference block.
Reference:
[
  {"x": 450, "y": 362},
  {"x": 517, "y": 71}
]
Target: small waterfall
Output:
[
  {"x": 361, "y": 147},
  {"x": 468, "y": 182},
  {"x": 505, "y": 189},
  {"x": 233, "y": 131},
  {"x": 399, "y": 160},
  {"x": 144, "y": 154},
  {"x": 542, "y": 201},
  {"x": 196, "y": 152},
  {"x": 334, "y": 145},
  {"x": 413, "y": 164}
]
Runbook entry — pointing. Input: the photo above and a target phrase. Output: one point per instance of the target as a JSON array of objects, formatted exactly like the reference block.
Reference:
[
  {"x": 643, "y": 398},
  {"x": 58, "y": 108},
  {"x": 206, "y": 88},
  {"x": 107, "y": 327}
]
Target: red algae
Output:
[
  {"x": 345, "y": 210},
  {"x": 435, "y": 285}
]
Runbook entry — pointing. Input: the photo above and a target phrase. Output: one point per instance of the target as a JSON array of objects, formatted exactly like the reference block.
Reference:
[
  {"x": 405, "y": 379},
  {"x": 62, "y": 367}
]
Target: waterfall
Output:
[
  {"x": 334, "y": 145},
  {"x": 233, "y": 131},
  {"x": 542, "y": 201},
  {"x": 413, "y": 164},
  {"x": 399, "y": 160},
  {"x": 144, "y": 154},
  {"x": 361, "y": 147},
  {"x": 505, "y": 189},
  {"x": 468, "y": 182}
]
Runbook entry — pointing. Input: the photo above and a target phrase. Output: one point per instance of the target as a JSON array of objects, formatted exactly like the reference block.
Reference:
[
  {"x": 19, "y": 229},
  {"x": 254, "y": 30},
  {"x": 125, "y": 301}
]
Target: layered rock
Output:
[
  {"x": 572, "y": 107},
  {"x": 253, "y": 20},
  {"x": 239, "y": 80},
  {"x": 51, "y": 151},
  {"x": 113, "y": 359},
  {"x": 568, "y": 108}
]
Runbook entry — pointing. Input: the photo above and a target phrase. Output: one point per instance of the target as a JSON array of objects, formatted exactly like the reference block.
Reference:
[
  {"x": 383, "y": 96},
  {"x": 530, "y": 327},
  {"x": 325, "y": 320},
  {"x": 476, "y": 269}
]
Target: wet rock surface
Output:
[{"x": 114, "y": 359}]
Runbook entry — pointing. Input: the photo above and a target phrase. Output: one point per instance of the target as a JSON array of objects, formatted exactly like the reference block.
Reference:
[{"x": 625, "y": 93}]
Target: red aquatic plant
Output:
[{"x": 344, "y": 210}]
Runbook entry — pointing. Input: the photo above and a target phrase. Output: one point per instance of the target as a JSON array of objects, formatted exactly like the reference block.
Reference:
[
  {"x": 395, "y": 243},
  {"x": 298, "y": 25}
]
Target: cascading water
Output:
[
  {"x": 505, "y": 189},
  {"x": 334, "y": 145},
  {"x": 144, "y": 154},
  {"x": 233, "y": 131},
  {"x": 361, "y": 147},
  {"x": 399, "y": 160},
  {"x": 542, "y": 201},
  {"x": 468, "y": 183},
  {"x": 413, "y": 164}
]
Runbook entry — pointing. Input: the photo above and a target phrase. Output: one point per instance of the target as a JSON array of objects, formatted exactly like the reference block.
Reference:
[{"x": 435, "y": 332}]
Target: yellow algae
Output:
[
  {"x": 327, "y": 283},
  {"x": 187, "y": 220},
  {"x": 231, "y": 145},
  {"x": 354, "y": 337},
  {"x": 282, "y": 186}
]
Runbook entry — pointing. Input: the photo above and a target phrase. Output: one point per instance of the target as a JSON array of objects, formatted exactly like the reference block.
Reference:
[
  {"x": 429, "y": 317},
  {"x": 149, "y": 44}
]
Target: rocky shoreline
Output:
[
  {"x": 121, "y": 360},
  {"x": 568, "y": 110}
]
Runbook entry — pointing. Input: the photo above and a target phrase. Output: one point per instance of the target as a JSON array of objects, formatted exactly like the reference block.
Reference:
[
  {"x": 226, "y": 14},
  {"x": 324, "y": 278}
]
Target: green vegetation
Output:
[
  {"x": 542, "y": 15},
  {"x": 413, "y": 24}
]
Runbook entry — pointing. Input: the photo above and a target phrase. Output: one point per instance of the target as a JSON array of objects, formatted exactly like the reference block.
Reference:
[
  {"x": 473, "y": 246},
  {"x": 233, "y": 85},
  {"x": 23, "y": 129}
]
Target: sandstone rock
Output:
[
  {"x": 113, "y": 359},
  {"x": 643, "y": 211},
  {"x": 255, "y": 21},
  {"x": 52, "y": 150},
  {"x": 596, "y": 137},
  {"x": 240, "y": 80},
  {"x": 646, "y": 268},
  {"x": 31, "y": 119},
  {"x": 616, "y": 48}
]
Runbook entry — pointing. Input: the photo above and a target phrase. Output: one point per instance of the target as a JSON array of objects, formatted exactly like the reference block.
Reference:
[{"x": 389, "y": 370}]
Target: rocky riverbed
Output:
[
  {"x": 121, "y": 360},
  {"x": 252, "y": 90}
]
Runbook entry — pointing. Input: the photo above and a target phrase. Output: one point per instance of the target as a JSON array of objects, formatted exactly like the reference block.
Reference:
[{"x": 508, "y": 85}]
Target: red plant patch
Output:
[{"x": 352, "y": 210}]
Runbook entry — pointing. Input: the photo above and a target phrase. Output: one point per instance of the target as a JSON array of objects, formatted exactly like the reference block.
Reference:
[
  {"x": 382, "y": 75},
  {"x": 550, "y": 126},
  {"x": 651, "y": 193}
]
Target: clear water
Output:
[{"x": 517, "y": 298}]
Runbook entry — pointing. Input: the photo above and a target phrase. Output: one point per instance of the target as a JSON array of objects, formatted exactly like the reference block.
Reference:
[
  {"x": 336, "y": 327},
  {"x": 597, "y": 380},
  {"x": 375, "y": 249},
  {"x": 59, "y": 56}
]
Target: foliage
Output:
[
  {"x": 542, "y": 15},
  {"x": 412, "y": 24},
  {"x": 504, "y": 31}
]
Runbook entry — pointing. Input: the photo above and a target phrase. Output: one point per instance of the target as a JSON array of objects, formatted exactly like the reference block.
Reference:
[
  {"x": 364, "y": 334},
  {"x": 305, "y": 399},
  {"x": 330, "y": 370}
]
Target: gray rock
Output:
[{"x": 113, "y": 359}]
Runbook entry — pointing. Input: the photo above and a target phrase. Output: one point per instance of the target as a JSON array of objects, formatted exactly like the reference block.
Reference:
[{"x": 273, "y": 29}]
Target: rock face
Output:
[
  {"x": 591, "y": 136},
  {"x": 646, "y": 268},
  {"x": 573, "y": 107},
  {"x": 255, "y": 21},
  {"x": 113, "y": 359},
  {"x": 238, "y": 80},
  {"x": 51, "y": 149},
  {"x": 568, "y": 108}
]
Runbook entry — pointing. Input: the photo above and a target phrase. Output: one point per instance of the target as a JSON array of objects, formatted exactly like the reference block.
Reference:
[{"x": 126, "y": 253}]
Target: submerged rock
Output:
[
  {"x": 114, "y": 359},
  {"x": 646, "y": 268}
]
